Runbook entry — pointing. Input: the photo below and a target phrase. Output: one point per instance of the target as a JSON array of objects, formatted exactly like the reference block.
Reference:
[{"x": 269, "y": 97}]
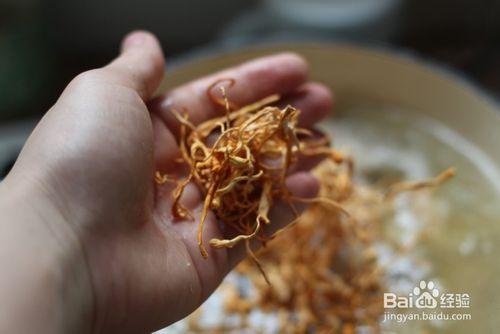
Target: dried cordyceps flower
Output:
[
  {"x": 317, "y": 285},
  {"x": 324, "y": 268},
  {"x": 330, "y": 281},
  {"x": 240, "y": 161},
  {"x": 411, "y": 186}
]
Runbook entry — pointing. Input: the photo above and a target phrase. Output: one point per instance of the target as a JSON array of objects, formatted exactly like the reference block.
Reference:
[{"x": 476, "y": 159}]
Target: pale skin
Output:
[{"x": 87, "y": 241}]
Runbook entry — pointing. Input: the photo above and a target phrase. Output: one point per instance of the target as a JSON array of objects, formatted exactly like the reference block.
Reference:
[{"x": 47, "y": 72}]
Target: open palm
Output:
[{"x": 94, "y": 155}]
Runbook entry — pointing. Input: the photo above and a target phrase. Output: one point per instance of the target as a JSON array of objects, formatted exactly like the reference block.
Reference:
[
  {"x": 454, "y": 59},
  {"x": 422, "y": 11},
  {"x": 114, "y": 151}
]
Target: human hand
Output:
[{"x": 88, "y": 225}]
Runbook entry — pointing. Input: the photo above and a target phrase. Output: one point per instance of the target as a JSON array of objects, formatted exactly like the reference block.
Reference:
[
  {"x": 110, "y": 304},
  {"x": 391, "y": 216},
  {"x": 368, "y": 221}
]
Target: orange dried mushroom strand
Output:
[
  {"x": 330, "y": 280},
  {"x": 241, "y": 160},
  {"x": 315, "y": 288},
  {"x": 401, "y": 187}
]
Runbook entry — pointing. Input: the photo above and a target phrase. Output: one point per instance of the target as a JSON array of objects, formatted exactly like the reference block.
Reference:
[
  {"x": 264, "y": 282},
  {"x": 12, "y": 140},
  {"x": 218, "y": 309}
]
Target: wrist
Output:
[{"x": 44, "y": 286}]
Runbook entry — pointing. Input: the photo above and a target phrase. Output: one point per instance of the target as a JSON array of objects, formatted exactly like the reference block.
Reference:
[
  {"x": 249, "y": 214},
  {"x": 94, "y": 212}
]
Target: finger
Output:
[
  {"x": 220, "y": 261},
  {"x": 306, "y": 160},
  {"x": 303, "y": 185},
  {"x": 281, "y": 74},
  {"x": 306, "y": 163},
  {"x": 100, "y": 121},
  {"x": 211, "y": 270},
  {"x": 314, "y": 100},
  {"x": 166, "y": 150},
  {"x": 140, "y": 65}
]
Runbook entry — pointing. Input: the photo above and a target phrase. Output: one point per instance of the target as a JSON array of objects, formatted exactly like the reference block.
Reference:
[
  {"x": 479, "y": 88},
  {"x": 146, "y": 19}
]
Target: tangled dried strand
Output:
[
  {"x": 330, "y": 280},
  {"x": 314, "y": 287},
  {"x": 323, "y": 267},
  {"x": 401, "y": 187},
  {"x": 240, "y": 161}
]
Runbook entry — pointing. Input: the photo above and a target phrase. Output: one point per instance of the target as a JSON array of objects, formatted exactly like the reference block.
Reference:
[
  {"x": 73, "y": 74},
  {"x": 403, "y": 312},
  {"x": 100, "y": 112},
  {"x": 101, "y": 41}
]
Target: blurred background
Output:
[{"x": 43, "y": 44}]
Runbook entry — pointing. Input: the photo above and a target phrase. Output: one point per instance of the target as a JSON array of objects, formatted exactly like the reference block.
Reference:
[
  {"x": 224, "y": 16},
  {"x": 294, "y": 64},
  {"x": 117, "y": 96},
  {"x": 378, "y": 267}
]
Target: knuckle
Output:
[
  {"x": 90, "y": 75},
  {"x": 87, "y": 79}
]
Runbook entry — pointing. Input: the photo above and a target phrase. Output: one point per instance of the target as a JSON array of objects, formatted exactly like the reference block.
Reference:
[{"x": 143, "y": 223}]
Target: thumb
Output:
[
  {"x": 100, "y": 116},
  {"x": 140, "y": 65}
]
